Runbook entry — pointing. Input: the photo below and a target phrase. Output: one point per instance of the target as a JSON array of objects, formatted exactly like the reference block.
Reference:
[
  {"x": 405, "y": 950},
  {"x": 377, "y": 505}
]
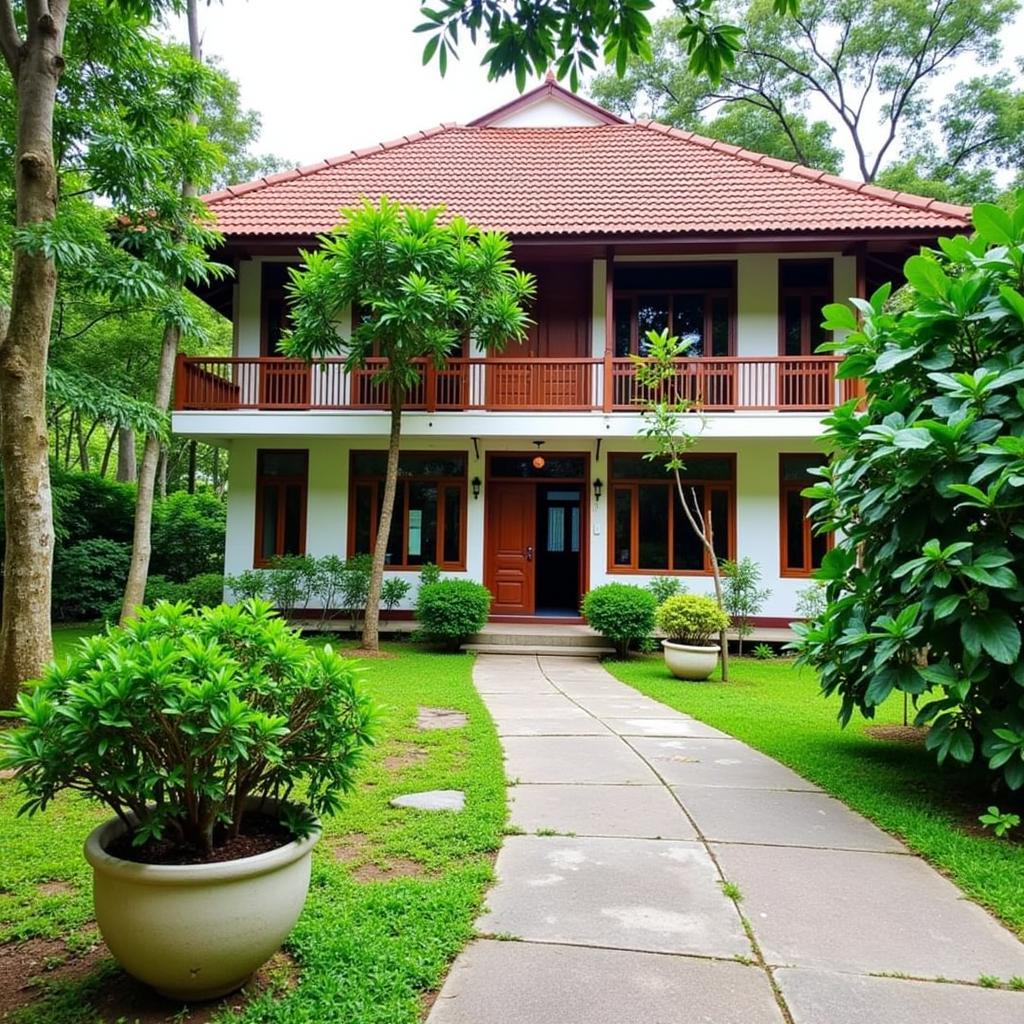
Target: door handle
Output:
[{"x": 529, "y": 554}]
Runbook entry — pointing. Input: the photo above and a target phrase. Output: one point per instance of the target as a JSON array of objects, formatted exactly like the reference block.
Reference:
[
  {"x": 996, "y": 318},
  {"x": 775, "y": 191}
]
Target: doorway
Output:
[{"x": 535, "y": 541}]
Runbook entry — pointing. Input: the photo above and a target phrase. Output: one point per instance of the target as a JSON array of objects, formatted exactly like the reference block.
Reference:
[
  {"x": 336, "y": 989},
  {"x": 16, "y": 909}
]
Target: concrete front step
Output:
[
  {"x": 539, "y": 636},
  {"x": 530, "y": 645}
]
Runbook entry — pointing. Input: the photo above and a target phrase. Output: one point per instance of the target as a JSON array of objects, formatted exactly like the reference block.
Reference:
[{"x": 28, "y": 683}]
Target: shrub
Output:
[
  {"x": 247, "y": 584},
  {"x": 452, "y": 610},
  {"x": 87, "y": 505},
  {"x": 355, "y": 586},
  {"x": 158, "y": 588},
  {"x": 742, "y": 594},
  {"x": 174, "y": 718},
  {"x": 429, "y": 573},
  {"x": 692, "y": 619},
  {"x": 188, "y": 535},
  {"x": 203, "y": 591},
  {"x": 925, "y": 491},
  {"x": 88, "y": 576},
  {"x": 621, "y": 613},
  {"x": 810, "y": 602},
  {"x": 394, "y": 591},
  {"x": 764, "y": 652},
  {"x": 664, "y": 587}
]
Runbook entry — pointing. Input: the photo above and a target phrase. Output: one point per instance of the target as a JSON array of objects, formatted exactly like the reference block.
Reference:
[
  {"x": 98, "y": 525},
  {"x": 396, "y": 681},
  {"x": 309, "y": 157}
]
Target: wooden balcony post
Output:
[
  {"x": 430, "y": 386},
  {"x": 179, "y": 382},
  {"x": 609, "y": 328}
]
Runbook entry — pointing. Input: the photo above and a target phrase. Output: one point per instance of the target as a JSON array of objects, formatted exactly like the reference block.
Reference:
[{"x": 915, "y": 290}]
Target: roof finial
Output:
[{"x": 550, "y": 76}]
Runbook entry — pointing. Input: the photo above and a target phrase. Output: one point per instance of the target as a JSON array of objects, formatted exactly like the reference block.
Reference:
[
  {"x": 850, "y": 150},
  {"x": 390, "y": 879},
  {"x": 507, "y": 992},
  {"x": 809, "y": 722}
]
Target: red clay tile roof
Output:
[{"x": 609, "y": 179}]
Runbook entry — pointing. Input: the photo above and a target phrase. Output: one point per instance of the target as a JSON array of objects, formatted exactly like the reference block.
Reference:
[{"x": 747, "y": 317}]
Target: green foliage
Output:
[
  {"x": 429, "y": 573},
  {"x": 202, "y": 591},
  {"x": 810, "y": 601},
  {"x": 188, "y": 535},
  {"x": 664, "y": 587},
  {"x": 129, "y": 720},
  {"x": 354, "y": 590},
  {"x": 87, "y": 576},
  {"x": 691, "y": 619},
  {"x": 764, "y": 652},
  {"x": 248, "y": 584},
  {"x": 1001, "y": 822},
  {"x": 621, "y": 613},
  {"x": 926, "y": 489},
  {"x": 742, "y": 594},
  {"x": 450, "y": 611},
  {"x": 394, "y": 591},
  {"x": 88, "y": 505}
]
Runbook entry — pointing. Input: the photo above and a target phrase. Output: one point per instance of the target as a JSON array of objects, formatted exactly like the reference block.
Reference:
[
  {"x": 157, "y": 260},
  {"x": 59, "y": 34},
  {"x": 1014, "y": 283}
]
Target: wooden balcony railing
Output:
[{"x": 732, "y": 384}]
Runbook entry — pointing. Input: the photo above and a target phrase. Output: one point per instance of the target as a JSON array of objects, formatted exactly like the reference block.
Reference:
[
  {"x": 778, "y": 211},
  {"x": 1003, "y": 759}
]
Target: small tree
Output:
[
  {"x": 744, "y": 596},
  {"x": 656, "y": 377},
  {"x": 422, "y": 287}
]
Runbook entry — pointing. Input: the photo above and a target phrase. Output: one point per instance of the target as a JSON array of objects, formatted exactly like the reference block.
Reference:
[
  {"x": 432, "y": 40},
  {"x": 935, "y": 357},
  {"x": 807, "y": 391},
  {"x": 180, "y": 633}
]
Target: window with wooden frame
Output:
[
  {"x": 429, "y": 519},
  {"x": 275, "y": 307},
  {"x": 802, "y": 550},
  {"x": 648, "y": 531},
  {"x": 282, "y": 485},
  {"x": 805, "y": 286},
  {"x": 695, "y": 301}
]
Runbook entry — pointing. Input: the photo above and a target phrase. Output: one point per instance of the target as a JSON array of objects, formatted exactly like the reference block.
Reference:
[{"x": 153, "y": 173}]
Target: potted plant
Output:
[
  {"x": 194, "y": 728},
  {"x": 689, "y": 622}
]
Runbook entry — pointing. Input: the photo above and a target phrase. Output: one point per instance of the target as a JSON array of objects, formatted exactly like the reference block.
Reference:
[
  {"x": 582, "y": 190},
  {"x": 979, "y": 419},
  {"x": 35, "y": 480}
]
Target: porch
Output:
[{"x": 609, "y": 384}]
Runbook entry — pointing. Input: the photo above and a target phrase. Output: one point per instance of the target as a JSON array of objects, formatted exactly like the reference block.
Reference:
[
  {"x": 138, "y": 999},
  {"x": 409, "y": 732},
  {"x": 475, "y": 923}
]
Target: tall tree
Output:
[{"x": 419, "y": 287}]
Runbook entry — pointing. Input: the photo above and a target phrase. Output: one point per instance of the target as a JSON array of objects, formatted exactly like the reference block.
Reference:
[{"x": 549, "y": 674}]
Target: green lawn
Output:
[
  {"x": 394, "y": 892},
  {"x": 776, "y": 707}
]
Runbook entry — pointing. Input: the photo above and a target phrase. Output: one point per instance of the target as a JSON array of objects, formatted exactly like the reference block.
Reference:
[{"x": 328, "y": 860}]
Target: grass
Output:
[
  {"x": 777, "y": 708},
  {"x": 394, "y": 892}
]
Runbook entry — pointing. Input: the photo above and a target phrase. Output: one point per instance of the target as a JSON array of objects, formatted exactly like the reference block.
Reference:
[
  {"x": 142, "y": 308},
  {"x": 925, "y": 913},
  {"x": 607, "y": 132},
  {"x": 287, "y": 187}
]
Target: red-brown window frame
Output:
[
  {"x": 811, "y": 298},
  {"x": 632, "y": 485},
  {"x": 709, "y": 295},
  {"x": 806, "y": 571},
  {"x": 444, "y": 484},
  {"x": 280, "y": 483}
]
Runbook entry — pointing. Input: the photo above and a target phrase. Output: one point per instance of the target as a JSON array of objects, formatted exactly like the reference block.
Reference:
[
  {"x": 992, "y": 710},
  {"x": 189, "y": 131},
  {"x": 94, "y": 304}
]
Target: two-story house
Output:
[{"x": 523, "y": 469}]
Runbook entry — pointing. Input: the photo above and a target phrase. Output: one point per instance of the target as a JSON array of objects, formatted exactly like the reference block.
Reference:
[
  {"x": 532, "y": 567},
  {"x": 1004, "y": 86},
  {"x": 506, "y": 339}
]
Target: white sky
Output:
[{"x": 332, "y": 75}]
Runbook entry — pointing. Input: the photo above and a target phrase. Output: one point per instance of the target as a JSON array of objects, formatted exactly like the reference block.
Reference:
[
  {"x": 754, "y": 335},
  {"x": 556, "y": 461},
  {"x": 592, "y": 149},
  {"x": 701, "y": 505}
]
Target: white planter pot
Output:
[
  {"x": 686, "y": 662},
  {"x": 197, "y": 931}
]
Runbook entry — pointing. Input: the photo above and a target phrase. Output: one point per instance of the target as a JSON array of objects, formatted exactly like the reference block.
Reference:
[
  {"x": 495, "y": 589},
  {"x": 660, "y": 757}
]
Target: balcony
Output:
[{"x": 733, "y": 384}]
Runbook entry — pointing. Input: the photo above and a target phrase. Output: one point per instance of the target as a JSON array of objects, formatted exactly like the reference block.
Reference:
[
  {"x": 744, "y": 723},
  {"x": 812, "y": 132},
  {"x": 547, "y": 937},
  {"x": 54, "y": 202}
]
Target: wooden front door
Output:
[{"x": 510, "y": 547}]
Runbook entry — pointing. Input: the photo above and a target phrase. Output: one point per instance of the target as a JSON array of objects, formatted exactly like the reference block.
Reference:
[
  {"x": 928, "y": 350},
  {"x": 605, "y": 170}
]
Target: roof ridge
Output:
[
  {"x": 907, "y": 200},
  {"x": 294, "y": 173}
]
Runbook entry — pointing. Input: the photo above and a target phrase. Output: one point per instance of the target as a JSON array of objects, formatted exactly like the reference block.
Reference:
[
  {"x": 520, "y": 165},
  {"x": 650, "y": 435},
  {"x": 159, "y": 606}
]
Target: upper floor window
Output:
[
  {"x": 282, "y": 480},
  {"x": 649, "y": 531},
  {"x": 428, "y": 523},
  {"x": 802, "y": 549},
  {"x": 275, "y": 313},
  {"x": 805, "y": 286},
  {"x": 695, "y": 301}
]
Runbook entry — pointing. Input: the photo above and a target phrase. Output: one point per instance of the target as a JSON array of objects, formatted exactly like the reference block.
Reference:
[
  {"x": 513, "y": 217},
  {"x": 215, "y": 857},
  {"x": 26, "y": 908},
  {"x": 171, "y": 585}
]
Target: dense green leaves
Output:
[
  {"x": 175, "y": 718},
  {"x": 926, "y": 489}
]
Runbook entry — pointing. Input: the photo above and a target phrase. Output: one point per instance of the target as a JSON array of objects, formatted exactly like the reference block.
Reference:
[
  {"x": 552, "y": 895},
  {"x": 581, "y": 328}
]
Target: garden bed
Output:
[{"x": 387, "y": 911}]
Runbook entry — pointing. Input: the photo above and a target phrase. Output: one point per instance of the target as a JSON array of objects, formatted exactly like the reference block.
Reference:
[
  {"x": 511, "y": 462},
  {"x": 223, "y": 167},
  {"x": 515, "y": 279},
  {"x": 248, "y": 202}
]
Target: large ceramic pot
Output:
[
  {"x": 197, "y": 931},
  {"x": 687, "y": 662}
]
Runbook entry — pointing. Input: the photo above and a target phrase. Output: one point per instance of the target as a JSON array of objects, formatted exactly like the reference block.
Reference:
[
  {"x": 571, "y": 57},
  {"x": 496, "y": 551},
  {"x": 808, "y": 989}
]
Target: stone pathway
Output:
[{"x": 621, "y": 916}]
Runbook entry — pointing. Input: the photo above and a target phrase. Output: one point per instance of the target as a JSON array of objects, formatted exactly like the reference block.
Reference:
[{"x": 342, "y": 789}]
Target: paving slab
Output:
[
  {"x": 581, "y": 725},
  {"x": 639, "y": 894},
  {"x": 820, "y": 997},
  {"x": 533, "y": 705},
  {"x": 583, "y": 688},
  {"x": 430, "y": 719},
  {"x": 667, "y": 727},
  {"x": 782, "y": 818},
  {"x": 433, "y": 800},
  {"x": 512, "y": 681},
  {"x": 870, "y": 913},
  {"x": 519, "y": 983},
  {"x": 625, "y": 706},
  {"x": 642, "y": 812},
  {"x": 574, "y": 759},
  {"x": 725, "y": 763}
]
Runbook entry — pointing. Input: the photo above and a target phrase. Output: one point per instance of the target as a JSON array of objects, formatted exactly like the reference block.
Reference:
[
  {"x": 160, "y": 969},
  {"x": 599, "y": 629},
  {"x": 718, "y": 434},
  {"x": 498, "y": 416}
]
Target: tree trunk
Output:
[
  {"x": 25, "y": 640},
  {"x": 192, "y": 467},
  {"x": 138, "y": 571},
  {"x": 216, "y": 471},
  {"x": 108, "y": 450},
  {"x": 371, "y": 622},
  {"x": 127, "y": 465}
]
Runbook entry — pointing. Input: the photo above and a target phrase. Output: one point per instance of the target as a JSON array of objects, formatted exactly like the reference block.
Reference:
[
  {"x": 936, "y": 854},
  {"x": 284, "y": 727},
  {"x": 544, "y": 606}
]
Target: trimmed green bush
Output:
[
  {"x": 203, "y": 591},
  {"x": 664, "y": 587},
  {"x": 450, "y": 611},
  {"x": 621, "y": 613},
  {"x": 691, "y": 619},
  {"x": 88, "y": 576},
  {"x": 188, "y": 535}
]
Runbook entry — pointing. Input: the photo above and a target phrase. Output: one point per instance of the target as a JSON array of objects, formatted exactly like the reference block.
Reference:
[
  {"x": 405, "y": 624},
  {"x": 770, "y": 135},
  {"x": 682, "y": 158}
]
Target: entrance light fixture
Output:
[
  {"x": 598, "y": 488},
  {"x": 475, "y": 484}
]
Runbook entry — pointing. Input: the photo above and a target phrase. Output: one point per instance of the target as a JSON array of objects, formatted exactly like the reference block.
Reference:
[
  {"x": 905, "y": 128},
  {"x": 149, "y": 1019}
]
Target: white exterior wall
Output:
[{"x": 757, "y": 438}]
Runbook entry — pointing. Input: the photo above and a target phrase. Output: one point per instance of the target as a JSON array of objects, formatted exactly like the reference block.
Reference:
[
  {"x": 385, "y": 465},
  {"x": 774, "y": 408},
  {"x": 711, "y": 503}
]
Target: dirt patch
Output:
[
  {"x": 427, "y": 1000},
  {"x": 362, "y": 652},
  {"x": 350, "y": 847},
  {"x": 398, "y": 867},
  {"x": 897, "y": 733},
  {"x": 7, "y": 773},
  {"x": 440, "y": 718},
  {"x": 405, "y": 756},
  {"x": 29, "y": 969},
  {"x": 55, "y": 888}
]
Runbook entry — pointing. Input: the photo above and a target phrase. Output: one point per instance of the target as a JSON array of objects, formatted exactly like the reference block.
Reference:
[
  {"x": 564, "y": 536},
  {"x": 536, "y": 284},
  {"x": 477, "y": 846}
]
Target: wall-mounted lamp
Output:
[
  {"x": 475, "y": 484},
  {"x": 598, "y": 488}
]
